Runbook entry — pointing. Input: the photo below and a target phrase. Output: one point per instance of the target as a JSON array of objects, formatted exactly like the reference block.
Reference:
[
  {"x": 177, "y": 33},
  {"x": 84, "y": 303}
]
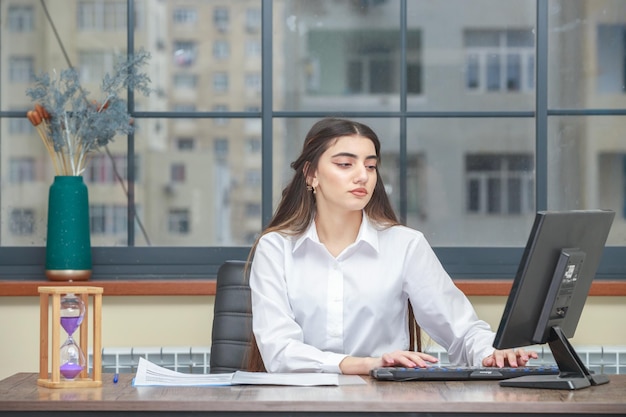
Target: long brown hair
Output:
[{"x": 296, "y": 209}]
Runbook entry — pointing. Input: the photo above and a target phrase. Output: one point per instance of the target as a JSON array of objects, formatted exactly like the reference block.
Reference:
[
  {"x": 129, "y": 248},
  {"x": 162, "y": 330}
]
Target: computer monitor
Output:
[{"x": 549, "y": 292}]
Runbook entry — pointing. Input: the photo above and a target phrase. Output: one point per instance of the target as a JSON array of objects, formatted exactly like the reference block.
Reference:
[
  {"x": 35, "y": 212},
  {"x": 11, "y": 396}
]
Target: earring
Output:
[{"x": 310, "y": 188}]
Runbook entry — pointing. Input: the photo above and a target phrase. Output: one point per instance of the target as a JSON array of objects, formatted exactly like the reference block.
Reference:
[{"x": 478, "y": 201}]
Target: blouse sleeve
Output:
[
  {"x": 278, "y": 335},
  {"x": 442, "y": 310}
]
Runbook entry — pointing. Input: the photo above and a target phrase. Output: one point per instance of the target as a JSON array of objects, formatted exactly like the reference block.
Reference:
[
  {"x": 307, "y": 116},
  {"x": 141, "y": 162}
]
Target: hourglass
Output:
[
  {"x": 72, "y": 358},
  {"x": 69, "y": 360}
]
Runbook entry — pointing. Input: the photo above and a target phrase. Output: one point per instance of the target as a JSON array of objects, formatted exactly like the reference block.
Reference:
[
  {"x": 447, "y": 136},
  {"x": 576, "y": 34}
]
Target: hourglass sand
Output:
[
  {"x": 69, "y": 311},
  {"x": 72, "y": 358}
]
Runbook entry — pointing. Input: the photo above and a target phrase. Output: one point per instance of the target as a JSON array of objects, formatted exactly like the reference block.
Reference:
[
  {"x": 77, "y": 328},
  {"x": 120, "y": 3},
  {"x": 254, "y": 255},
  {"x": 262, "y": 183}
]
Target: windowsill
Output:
[{"x": 207, "y": 287}]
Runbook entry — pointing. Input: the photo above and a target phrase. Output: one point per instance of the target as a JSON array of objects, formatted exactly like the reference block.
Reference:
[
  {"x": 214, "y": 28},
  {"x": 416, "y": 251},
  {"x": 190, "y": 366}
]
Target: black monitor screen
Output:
[{"x": 550, "y": 289}]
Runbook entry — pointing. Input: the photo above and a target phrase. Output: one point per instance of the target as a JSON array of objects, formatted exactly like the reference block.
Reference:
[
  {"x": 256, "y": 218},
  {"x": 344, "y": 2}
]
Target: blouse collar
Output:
[{"x": 368, "y": 233}]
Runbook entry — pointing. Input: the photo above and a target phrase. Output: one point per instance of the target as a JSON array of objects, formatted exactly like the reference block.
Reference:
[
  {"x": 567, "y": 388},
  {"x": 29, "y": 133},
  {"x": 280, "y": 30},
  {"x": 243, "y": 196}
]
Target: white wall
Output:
[{"x": 186, "y": 321}]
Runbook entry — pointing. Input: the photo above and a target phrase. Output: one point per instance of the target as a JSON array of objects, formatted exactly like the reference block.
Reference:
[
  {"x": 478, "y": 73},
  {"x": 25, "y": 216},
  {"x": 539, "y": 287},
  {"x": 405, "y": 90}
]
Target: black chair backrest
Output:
[{"x": 232, "y": 319}]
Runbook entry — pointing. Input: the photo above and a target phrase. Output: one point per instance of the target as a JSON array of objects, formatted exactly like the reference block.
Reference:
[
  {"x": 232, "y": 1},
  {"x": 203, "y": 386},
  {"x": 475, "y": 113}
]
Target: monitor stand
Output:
[{"x": 573, "y": 372}]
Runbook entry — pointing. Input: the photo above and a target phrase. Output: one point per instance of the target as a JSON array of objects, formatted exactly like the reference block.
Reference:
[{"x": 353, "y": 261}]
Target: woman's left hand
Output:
[{"x": 509, "y": 357}]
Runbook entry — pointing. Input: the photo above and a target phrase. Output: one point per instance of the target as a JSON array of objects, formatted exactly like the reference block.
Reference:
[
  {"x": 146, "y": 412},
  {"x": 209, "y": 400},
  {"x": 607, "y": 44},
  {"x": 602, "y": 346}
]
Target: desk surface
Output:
[{"x": 20, "y": 393}]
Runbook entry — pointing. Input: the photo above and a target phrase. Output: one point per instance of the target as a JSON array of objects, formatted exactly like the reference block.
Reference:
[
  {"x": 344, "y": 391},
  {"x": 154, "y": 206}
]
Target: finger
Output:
[{"x": 511, "y": 356}]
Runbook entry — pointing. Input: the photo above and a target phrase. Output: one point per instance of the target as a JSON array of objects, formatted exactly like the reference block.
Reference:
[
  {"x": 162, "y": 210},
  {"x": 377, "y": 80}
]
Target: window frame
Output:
[{"x": 174, "y": 263}]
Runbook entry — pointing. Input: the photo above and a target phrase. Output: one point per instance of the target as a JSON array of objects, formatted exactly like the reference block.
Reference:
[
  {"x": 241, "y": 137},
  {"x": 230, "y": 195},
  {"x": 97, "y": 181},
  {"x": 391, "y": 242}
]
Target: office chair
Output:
[
  {"x": 232, "y": 319},
  {"x": 231, "y": 338}
]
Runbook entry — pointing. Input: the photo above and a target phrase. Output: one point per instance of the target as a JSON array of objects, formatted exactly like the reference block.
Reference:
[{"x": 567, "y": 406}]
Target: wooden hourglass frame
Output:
[{"x": 52, "y": 379}]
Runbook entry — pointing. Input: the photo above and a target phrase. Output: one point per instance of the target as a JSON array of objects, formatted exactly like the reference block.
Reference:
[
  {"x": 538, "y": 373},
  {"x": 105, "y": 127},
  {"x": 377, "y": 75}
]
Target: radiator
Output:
[{"x": 600, "y": 359}]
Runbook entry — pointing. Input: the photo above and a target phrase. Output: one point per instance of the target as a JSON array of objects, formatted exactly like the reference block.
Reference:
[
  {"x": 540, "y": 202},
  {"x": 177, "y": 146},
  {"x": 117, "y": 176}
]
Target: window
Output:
[
  {"x": 22, "y": 222},
  {"x": 186, "y": 81},
  {"x": 499, "y": 184},
  {"x": 107, "y": 219},
  {"x": 21, "y": 69},
  {"x": 102, "y": 169},
  {"x": 221, "y": 49},
  {"x": 185, "y": 144},
  {"x": 253, "y": 82},
  {"x": 177, "y": 173},
  {"x": 253, "y": 20},
  {"x": 20, "y": 18},
  {"x": 20, "y": 126},
  {"x": 185, "y": 15},
  {"x": 499, "y": 60},
  {"x": 220, "y": 147},
  {"x": 178, "y": 221},
  {"x": 104, "y": 15},
  {"x": 253, "y": 48},
  {"x": 185, "y": 53},
  {"x": 94, "y": 65},
  {"x": 470, "y": 146},
  {"x": 21, "y": 169},
  {"x": 220, "y": 82},
  {"x": 611, "y": 47},
  {"x": 220, "y": 121},
  {"x": 370, "y": 64},
  {"x": 221, "y": 19}
]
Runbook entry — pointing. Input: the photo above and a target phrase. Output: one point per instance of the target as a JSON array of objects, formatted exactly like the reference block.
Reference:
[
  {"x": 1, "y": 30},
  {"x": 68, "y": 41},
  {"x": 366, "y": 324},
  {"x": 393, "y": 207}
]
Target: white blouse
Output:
[{"x": 311, "y": 310}]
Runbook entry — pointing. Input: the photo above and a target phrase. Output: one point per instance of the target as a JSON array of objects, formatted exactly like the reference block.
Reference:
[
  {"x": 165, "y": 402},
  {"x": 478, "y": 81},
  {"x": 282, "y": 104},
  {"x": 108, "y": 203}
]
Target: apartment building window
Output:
[
  {"x": 253, "y": 82},
  {"x": 185, "y": 144},
  {"x": 20, "y": 18},
  {"x": 499, "y": 60},
  {"x": 102, "y": 168},
  {"x": 499, "y": 184},
  {"x": 252, "y": 48},
  {"x": 220, "y": 121},
  {"x": 22, "y": 222},
  {"x": 369, "y": 65},
  {"x": 102, "y": 15},
  {"x": 178, "y": 172},
  {"x": 253, "y": 178},
  {"x": 253, "y": 19},
  {"x": 253, "y": 145},
  {"x": 185, "y": 81},
  {"x": 107, "y": 219},
  {"x": 185, "y": 53},
  {"x": 221, "y": 19},
  {"x": 179, "y": 221},
  {"x": 20, "y": 126},
  {"x": 221, "y": 49},
  {"x": 220, "y": 147},
  {"x": 253, "y": 210},
  {"x": 185, "y": 15},
  {"x": 220, "y": 82},
  {"x": 93, "y": 65},
  {"x": 21, "y": 69},
  {"x": 21, "y": 169},
  {"x": 611, "y": 47}
]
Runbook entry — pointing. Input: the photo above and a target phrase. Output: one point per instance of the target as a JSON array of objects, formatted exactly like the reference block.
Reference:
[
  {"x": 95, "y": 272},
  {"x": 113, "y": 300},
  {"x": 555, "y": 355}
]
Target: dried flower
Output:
[{"x": 71, "y": 126}]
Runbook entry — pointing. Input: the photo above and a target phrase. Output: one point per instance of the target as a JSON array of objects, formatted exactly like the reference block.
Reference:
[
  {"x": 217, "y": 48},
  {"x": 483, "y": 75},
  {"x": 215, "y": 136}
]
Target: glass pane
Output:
[
  {"x": 332, "y": 55},
  {"x": 476, "y": 178},
  {"x": 93, "y": 34},
  {"x": 206, "y": 54},
  {"x": 587, "y": 167},
  {"x": 587, "y": 60},
  {"x": 467, "y": 63}
]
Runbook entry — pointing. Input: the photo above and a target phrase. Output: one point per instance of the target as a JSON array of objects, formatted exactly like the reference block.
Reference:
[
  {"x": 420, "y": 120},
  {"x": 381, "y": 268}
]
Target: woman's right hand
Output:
[{"x": 351, "y": 365}]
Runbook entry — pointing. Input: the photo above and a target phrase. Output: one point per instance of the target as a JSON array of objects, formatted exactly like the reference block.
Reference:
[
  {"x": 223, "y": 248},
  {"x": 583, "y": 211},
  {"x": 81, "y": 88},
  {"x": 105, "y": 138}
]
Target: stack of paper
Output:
[{"x": 150, "y": 374}]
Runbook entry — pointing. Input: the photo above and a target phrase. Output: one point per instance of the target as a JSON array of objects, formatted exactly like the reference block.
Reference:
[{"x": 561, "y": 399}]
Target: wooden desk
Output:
[{"x": 20, "y": 394}]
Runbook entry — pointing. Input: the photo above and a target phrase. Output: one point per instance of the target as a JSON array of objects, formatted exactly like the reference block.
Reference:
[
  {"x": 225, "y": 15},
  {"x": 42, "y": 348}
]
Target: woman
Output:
[{"x": 333, "y": 273}]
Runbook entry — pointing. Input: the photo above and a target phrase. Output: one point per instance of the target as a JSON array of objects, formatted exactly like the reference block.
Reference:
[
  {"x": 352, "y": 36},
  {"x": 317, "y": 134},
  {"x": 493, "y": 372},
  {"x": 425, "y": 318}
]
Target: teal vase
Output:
[{"x": 68, "y": 244}]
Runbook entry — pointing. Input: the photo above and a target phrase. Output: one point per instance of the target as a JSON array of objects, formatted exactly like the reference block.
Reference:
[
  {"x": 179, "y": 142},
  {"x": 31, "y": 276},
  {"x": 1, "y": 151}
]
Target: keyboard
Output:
[{"x": 458, "y": 373}]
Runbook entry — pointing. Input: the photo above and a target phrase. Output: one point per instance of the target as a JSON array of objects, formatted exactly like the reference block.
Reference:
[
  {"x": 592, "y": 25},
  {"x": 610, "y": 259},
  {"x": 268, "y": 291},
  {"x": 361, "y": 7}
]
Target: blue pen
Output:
[{"x": 115, "y": 378}]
